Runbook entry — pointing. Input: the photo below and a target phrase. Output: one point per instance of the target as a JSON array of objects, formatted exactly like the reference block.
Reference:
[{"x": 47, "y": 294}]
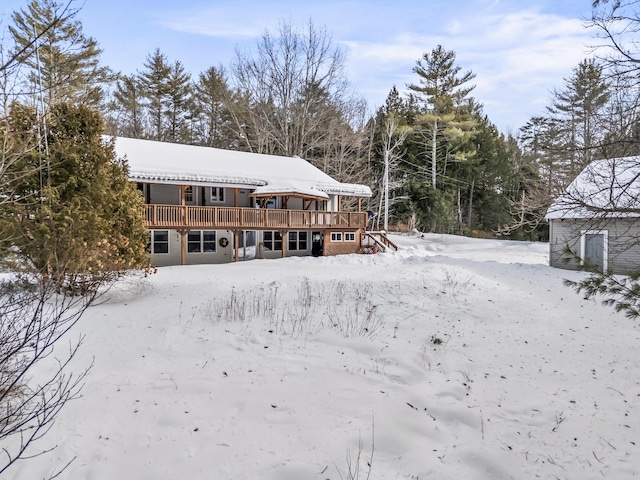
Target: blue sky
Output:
[{"x": 519, "y": 50}]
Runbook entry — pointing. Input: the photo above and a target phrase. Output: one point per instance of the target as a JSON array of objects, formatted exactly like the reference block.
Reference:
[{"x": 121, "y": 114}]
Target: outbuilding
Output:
[{"x": 595, "y": 223}]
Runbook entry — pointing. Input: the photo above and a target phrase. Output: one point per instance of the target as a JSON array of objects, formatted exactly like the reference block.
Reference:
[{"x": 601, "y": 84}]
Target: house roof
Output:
[
  {"x": 605, "y": 188},
  {"x": 161, "y": 162}
]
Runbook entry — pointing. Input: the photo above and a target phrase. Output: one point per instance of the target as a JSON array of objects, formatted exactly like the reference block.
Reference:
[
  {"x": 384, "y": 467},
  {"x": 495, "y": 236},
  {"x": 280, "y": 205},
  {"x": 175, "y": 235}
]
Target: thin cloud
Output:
[
  {"x": 518, "y": 57},
  {"x": 212, "y": 22}
]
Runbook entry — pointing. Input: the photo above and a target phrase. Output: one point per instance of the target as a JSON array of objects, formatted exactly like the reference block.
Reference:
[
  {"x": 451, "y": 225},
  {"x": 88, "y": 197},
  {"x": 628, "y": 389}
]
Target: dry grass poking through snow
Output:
[{"x": 344, "y": 307}]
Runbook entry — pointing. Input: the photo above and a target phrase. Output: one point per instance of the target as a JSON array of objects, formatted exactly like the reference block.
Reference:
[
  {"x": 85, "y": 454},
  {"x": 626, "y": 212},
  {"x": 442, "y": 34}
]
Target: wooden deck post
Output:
[
  {"x": 285, "y": 240},
  {"x": 182, "y": 188},
  {"x": 235, "y": 245},
  {"x": 183, "y": 245}
]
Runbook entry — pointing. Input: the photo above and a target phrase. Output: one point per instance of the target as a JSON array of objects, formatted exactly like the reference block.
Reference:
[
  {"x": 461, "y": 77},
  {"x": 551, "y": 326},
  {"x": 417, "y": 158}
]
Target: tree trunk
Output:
[
  {"x": 470, "y": 214},
  {"x": 433, "y": 153}
]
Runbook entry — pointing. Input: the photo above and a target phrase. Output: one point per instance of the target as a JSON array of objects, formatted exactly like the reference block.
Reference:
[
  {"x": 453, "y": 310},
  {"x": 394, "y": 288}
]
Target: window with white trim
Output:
[
  {"x": 298, "y": 241},
  {"x": 159, "y": 241},
  {"x": 217, "y": 194},
  {"x": 336, "y": 236},
  {"x": 201, "y": 241},
  {"x": 272, "y": 240},
  {"x": 349, "y": 236},
  {"x": 188, "y": 194}
]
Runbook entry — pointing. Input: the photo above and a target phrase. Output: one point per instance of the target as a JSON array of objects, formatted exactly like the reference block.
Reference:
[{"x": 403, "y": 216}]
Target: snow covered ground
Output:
[{"x": 453, "y": 358}]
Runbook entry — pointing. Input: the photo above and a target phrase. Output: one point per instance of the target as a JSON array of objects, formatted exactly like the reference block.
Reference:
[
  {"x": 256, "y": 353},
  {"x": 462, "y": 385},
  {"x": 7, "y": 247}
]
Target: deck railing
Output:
[{"x": 179, "y": 216}]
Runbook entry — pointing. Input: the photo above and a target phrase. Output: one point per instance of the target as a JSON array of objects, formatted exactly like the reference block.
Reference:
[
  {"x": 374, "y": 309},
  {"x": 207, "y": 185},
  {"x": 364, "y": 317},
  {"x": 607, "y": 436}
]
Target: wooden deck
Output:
[{"x": 190, "y": 217}]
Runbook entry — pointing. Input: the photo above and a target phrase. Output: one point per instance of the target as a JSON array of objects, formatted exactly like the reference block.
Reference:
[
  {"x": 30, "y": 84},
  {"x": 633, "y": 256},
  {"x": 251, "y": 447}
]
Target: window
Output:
[
  {"x": 272, "y": 240},
  {"x": 208, "y": 241},
  {"x": 217, "y": 194},
  {"x": 297, "y": 241},
  {"x": 188, "y": 194},
  {"x": 201, "y": 241},
  {"x": 349, "y": 236},
  {"x": 336, "y": 236},
  {"x": 159, "y": 241}
]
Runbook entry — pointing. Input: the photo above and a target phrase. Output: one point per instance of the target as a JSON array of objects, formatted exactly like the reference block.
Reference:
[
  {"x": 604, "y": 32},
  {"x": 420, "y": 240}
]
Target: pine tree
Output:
[
  {"x": 177, "y": 103},
  {"x": 60, "y": 59},
  {"x": 78, "y": 220},
  {"x": 128, "y": 107},
  {"x": 443, "y": 92},
  {"x": 579, "y": 109},
  {"x": 211, "y": 94},
  {"x": 154, "y": 80}
]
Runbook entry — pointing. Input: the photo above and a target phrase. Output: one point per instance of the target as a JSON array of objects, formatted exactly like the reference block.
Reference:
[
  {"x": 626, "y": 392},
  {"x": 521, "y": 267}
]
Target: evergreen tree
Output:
[
  {"x": 177, "y": 104},
  {"x": 76, "y": 221},
  {"x": 579, "y": 108},
  {"x": 211, "y": 94},
  {"x": 128, "y": 107},
  {"x": 154, "y": 80},
  {"x": 485, "y": 181},
  {"x": 443, "y": 92},
  {"x": 60, "y": 59}
]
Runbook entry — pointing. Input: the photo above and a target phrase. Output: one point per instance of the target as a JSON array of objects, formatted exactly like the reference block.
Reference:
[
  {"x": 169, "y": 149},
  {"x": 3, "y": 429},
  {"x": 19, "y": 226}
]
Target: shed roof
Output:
[
  {"x": 162, "y": 162},
  {"x": 605, "y": 188}
]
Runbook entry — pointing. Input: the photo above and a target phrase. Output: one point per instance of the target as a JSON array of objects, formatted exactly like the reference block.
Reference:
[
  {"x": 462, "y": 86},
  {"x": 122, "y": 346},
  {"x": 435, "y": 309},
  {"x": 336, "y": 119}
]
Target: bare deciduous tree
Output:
[
  {"x": 292, "y": 87},
  {"x": 36, "y": 378}
]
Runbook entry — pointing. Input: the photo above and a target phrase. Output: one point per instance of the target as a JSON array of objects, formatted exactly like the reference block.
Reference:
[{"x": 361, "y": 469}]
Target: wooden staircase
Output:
[{"x": 372, "y": 242}]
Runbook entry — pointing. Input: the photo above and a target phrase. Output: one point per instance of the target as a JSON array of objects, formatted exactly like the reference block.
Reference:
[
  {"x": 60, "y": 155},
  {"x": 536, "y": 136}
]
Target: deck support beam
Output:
[
  {"x": 236, "y": 235},
  {"x": 183, "y": 245}
]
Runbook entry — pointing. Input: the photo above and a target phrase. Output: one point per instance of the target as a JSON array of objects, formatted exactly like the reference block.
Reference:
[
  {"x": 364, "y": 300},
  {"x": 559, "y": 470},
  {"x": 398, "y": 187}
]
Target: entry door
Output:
[
  {"x": 594, "y": 250},
  {"x": 247, "y": 244},
  {"x": 317, "y": 242}
]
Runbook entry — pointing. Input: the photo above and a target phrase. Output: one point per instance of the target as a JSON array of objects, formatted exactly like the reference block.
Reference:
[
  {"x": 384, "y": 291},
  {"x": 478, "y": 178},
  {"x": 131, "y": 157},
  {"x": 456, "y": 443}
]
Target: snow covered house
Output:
[
  {"x": 207, "y": 205},
  {"x": 597, "y": 220}
]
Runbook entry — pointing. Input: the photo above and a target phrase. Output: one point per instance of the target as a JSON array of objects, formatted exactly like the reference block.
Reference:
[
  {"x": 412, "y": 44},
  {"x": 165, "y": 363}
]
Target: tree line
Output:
[
  {"x": 434, "y": 159},
  {"x": 453, "y": 172}
]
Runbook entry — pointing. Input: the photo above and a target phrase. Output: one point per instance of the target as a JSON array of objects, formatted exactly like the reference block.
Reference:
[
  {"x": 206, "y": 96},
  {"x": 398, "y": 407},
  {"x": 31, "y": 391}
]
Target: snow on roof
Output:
[
  {"x": 609, "y": 188},
  {"x": 161, "y": 162}
]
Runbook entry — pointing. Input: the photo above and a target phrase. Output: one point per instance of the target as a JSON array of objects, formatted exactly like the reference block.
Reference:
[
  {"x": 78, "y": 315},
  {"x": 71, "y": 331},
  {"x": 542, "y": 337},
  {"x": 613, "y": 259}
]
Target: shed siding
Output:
[{"x": 623, "y": 248}]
